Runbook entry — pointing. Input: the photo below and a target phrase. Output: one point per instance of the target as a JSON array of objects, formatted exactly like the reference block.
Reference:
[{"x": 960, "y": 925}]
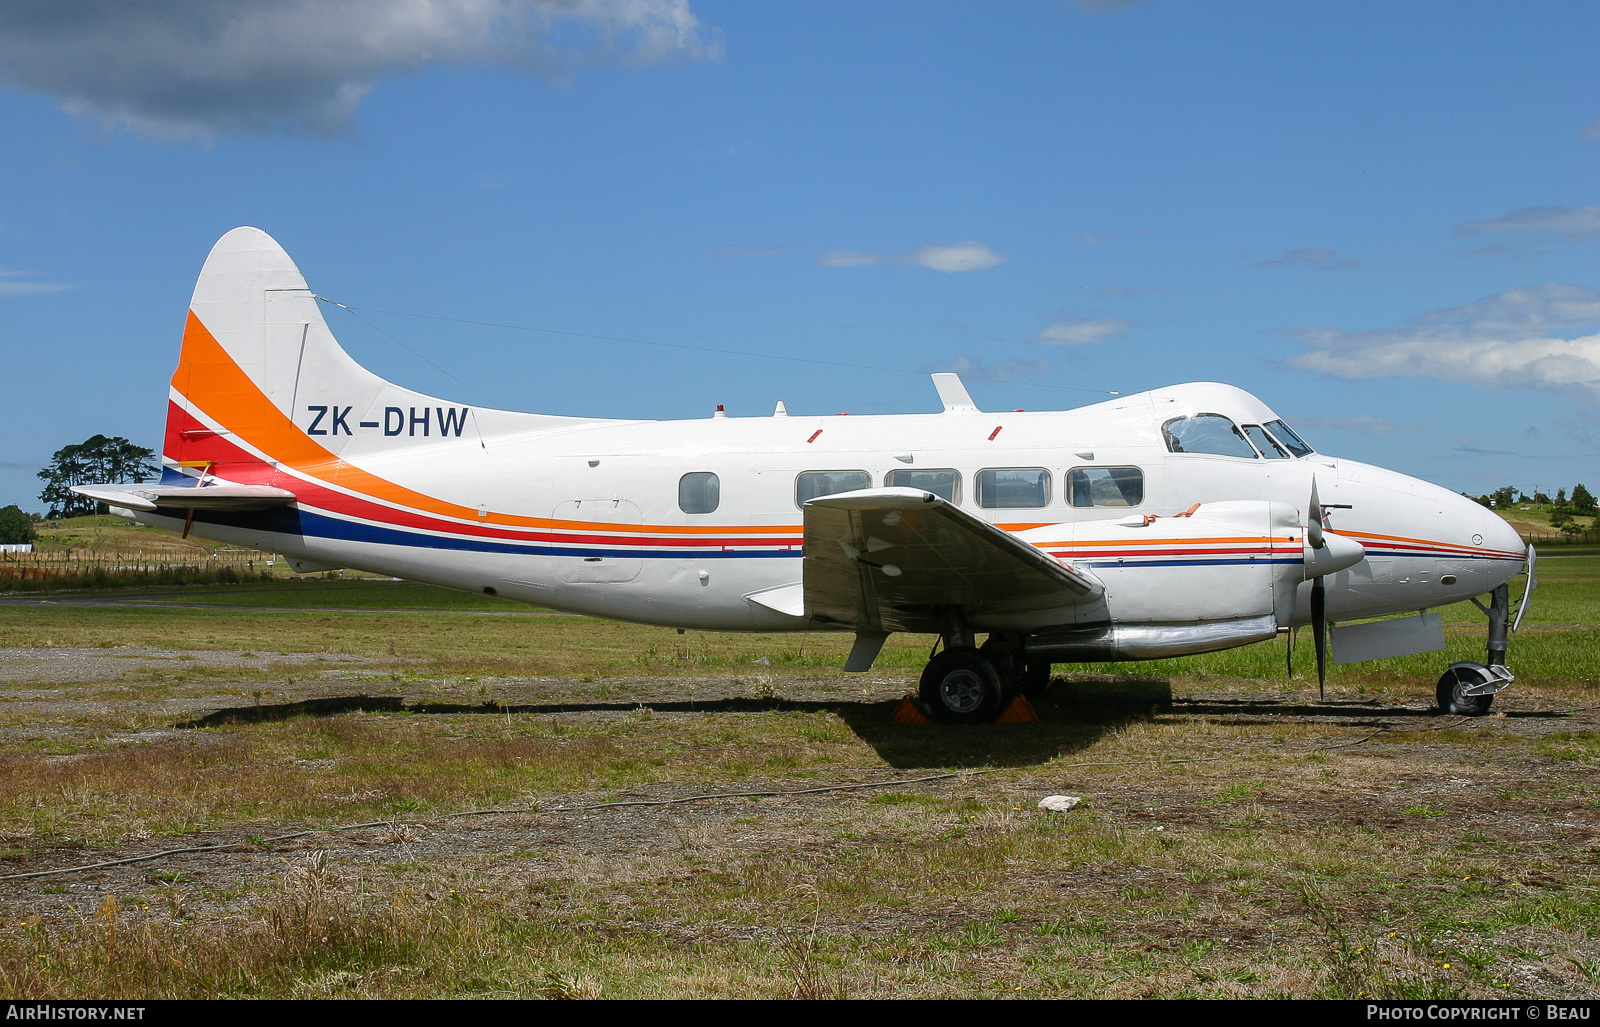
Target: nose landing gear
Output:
[{"x": 1468, "y": 689}]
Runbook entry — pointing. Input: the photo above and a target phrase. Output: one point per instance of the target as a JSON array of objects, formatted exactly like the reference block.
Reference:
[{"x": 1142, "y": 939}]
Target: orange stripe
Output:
[
  {"x": 205, "y": 369},
  {"x": 1424, "y": 542}
]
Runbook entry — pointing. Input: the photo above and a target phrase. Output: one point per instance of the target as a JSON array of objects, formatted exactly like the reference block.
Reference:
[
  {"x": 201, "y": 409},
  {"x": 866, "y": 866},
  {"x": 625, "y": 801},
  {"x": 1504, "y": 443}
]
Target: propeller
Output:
[
  {"x": 1324, "y": 553},
  {"x": 1314, "y": 519},
  {"x": 1319, "y": 633},
  {"x": 1319, "y": 593}
]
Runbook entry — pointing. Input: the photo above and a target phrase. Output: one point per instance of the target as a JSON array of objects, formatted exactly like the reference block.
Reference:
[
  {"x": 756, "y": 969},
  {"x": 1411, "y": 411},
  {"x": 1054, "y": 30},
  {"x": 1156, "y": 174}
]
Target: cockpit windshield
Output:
[
  {"x": 1286, "y": 435},
  {"x": 1207, "y": 433},
  {"x": 1264, "y": 444}
]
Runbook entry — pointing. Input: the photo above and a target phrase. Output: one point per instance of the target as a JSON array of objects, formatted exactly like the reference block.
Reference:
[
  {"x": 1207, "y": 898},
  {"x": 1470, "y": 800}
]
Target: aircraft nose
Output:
[{"x": 1490, "y": 532}]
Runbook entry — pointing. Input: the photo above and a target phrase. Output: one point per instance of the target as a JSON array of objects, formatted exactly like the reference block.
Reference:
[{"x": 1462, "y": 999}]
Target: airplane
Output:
[{"x": 1178, "y": 521}]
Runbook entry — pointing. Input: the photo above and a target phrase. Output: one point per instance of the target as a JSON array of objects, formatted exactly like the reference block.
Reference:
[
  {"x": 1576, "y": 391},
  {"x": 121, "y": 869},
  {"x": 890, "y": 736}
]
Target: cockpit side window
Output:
[
  {"x": 1286, "y": 435},
  {"x": 1207, "y": 433},
  {"x": 1264, "y": 444}
]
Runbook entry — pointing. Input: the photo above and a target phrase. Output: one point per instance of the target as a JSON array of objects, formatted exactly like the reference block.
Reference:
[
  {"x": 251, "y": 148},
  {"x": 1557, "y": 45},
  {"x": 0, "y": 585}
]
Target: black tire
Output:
[
  {"x": 1035, "y": 679},
  {"x": 960, "y": 686},
  {"x": 1017, "y": 676},
  {"x": 1451, "y": 700}
]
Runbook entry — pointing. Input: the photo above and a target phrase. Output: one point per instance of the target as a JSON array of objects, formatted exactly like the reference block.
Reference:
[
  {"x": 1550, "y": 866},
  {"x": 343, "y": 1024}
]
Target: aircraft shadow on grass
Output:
[{"x": 1072, "y": 717}]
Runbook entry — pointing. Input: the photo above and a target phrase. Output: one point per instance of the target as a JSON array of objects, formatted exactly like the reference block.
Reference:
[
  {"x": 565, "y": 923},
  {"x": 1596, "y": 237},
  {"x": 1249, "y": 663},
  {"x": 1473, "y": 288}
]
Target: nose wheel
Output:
[{"x": 1459, "y": 690}]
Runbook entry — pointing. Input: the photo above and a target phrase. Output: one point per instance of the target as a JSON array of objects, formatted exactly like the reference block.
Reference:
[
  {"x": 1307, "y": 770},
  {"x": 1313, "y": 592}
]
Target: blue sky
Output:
[{"x": 1382, "y": 219}]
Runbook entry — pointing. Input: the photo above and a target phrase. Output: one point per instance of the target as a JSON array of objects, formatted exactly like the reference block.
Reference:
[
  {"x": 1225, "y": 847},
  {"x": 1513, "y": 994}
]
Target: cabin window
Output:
[
  {"x": 1207, "y": 433},
  {"x": 811, "y": 484},
  {"x": 1264, "y": 443},
  {"x": 699, "y": 492},
  {"x": 1013, "y": 488},
  {"x": 1105, "y": 486},
  {"x": 1291, "y": 441},
  {"x": 943, "y": 482}
]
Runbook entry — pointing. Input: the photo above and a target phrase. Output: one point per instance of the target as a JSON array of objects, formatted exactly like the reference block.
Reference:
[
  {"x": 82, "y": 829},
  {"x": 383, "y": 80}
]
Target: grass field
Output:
[{"x": 1236, "y": 837}]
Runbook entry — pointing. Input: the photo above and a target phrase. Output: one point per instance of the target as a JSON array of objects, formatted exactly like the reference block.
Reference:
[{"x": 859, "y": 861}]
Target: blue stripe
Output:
[{"x": 308, "y": 524}]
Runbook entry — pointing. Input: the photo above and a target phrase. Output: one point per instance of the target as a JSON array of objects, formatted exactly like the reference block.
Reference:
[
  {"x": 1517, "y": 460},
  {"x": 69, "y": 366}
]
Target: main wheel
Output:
[
  {"x": 960, "y": 686},
  {"x": 1453, "y": 697},
  {"x": 1017, "y": 675}
]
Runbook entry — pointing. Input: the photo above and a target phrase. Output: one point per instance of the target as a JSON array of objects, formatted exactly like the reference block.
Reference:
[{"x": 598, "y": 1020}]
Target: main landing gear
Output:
[
  {"x": 1467, "y": 689},
  {"x": 967, "y": 684}
]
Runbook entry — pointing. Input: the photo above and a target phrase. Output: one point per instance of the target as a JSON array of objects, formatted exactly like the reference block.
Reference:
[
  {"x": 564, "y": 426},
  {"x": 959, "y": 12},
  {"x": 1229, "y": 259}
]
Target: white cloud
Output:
[
  {"x": 1319, "y": 260},
  {"x": 15, "y": 283},
  {"x": 1505, "y": 341},
  {"x": 196, "y": 67},
  {"x": 1087, "y": 331},
  {"x": 1575, "y": 225},
  {"x": 963, "y": 256},
  {"x": 1008, "y": 370}
]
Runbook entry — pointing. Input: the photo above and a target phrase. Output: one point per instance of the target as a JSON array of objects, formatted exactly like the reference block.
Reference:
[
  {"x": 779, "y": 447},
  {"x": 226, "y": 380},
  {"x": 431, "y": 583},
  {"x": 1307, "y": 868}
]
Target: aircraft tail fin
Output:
[{"x": 262, "y": 379}]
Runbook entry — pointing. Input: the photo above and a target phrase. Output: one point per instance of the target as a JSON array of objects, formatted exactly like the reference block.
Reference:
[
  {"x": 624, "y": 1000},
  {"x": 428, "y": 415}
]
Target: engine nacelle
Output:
[{"x": 1222, "y": 575}]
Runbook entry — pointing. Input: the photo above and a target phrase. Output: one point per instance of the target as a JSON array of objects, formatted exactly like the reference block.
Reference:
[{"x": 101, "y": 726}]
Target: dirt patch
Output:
[{"x": 1235, "y": 838}]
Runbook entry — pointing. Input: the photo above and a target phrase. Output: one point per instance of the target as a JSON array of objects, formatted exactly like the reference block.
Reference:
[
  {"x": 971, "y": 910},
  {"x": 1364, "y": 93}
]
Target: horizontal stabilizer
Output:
[
  {"x": 188, "y": 497},
  {"x": 894, "y": 558}
]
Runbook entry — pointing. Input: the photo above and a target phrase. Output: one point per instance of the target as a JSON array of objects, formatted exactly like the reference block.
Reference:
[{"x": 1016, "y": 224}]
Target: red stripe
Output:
[{"x": 235, "y": 464}]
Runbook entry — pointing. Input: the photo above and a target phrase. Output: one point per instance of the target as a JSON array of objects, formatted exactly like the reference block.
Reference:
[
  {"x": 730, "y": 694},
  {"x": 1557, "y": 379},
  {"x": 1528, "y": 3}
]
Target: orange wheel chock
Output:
[
  {"x": 908, "y": 713},
  {"x": 1019, "y": 712}
]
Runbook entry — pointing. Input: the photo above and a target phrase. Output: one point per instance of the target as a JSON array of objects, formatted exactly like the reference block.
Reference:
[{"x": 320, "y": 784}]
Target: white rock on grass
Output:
[{"x": 1059, "y": 803}]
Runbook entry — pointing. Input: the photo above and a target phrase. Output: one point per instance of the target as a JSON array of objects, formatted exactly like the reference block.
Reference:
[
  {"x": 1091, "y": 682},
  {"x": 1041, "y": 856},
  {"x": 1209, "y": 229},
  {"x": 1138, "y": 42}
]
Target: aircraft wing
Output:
[
  {"x": 204, "y": 497},
  {"x": 891, "y": 559}
]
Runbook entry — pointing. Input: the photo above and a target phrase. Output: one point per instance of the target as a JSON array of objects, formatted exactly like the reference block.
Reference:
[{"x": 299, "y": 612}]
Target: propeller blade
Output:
[
  {"x": 1314, "y": 516},
  {"x": 1319, "y": 633},
  {"x": 1289, "y": 637}
]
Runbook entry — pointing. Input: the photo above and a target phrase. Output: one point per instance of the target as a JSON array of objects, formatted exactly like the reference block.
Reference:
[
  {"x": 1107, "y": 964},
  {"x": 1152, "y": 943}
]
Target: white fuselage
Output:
[{"x": 615, "y": 540}]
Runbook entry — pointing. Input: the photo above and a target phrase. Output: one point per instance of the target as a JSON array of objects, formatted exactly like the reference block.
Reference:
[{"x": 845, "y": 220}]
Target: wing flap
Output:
[
  {"x": 188, "y": 497},
  {"x": 892, "y": 559}
]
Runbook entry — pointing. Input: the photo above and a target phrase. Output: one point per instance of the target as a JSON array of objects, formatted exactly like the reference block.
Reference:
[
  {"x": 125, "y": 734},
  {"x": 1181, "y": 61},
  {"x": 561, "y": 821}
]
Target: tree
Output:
[
  {"x": 1561, "y": 497},
  {"x": 1583, "y": 500},
  {"x": 15, "y": 526},
  {"x": 1501, "y": 499},
  {"x": 1541, "y": 499},
  {"x": 95, "y": 460}
]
